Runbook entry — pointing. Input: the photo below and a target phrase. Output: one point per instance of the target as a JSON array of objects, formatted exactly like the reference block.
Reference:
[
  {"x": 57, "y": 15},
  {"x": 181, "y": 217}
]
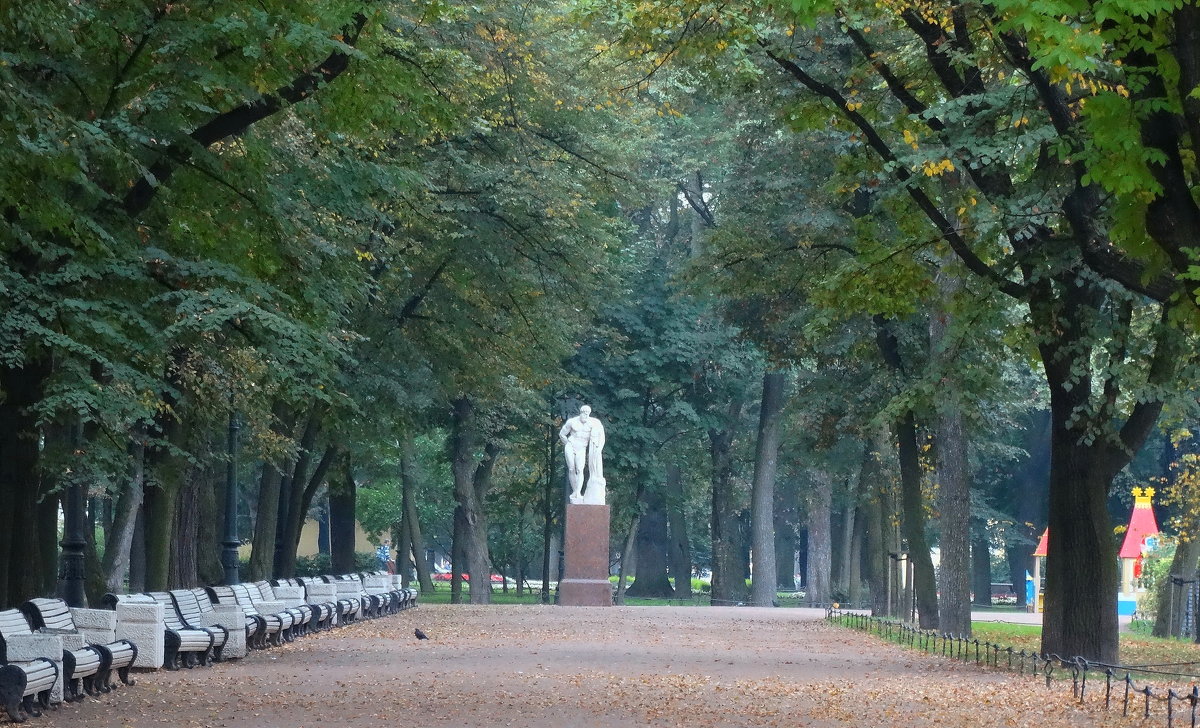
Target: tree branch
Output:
[
  {"x": 238, "y": 119},
  {"x": 945, "y": 228}
]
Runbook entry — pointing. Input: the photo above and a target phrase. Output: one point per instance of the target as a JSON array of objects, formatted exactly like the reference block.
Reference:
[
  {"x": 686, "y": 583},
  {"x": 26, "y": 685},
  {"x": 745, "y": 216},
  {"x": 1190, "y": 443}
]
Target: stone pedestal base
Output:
[{"x": 585, "y": 550}]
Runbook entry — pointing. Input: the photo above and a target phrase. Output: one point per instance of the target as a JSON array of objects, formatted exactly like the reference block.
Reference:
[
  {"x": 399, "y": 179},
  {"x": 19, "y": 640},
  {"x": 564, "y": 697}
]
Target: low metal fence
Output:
[{"x": 1084, "y": 674}]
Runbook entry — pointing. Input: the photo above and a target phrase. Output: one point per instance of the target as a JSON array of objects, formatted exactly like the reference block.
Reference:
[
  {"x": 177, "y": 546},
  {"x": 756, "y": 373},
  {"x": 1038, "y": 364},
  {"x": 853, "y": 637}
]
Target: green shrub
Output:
[{"x": 319, "y": 564}]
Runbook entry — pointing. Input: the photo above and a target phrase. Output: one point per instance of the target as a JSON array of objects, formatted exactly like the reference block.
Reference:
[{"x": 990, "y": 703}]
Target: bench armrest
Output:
[
  {"x": 29, "y": 647},
  {"x": 289, "y": 594}
]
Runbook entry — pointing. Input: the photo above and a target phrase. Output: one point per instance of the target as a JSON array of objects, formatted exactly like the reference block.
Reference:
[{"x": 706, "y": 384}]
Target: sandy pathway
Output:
[{"x": 550, "y": 666}]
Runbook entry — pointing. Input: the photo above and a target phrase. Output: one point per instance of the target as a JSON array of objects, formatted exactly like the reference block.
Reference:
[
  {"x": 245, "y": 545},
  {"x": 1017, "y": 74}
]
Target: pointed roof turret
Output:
[{"x": 1141, "y": 523}]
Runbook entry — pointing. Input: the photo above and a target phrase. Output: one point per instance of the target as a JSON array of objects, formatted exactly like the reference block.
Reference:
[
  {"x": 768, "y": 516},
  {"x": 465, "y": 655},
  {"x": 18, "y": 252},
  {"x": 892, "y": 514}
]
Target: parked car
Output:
[{"x": 496, "y": 578}]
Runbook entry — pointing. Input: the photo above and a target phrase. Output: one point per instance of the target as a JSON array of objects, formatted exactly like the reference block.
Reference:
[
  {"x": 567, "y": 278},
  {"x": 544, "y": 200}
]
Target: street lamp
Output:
[
  {"x": 229, "y": 554},
  {"x": 71, "y": 564}
]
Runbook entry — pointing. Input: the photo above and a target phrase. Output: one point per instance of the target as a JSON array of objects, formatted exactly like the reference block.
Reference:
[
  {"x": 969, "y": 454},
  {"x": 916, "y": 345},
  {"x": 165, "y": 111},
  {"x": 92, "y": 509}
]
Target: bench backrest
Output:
[
  {"x": 12, "y": 624},
  {"x": 243, "y": 595},
  {"x": 189, "y": 606},
  {"x": 265, "y": 592},
  {"x": 171, "y": 618},
  {"x": 47, "y": 613}
]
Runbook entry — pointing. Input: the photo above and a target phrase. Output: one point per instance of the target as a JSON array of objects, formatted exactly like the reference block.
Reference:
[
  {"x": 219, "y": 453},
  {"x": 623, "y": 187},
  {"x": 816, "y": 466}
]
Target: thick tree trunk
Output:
[
  {"x": 854, "y": 580},
  {"x": 846, "y": 544},
  {"x": 728, "y": 581},
  {"x": 471, "y": 482},
  {"x": 681, "y": 549},
  {"x": 160, "y": 505},
  {"x": 652, "y": 546},
  {"x": 210, "y": 531},
  {"x": 953, "y": 476},
  {"x": 820, "y": 552},
  {"x": 45, "y": 526},
  {"x": 1081, "y": 568},
  {"x": 183, "y": 570},
  {"x": 262, "y": 549},
  {"x": 21, "y": 389},
  {"x": 954, "y": 505},
  {"x": 343, "y": 494},
  {"x": 762, "y": 494}
]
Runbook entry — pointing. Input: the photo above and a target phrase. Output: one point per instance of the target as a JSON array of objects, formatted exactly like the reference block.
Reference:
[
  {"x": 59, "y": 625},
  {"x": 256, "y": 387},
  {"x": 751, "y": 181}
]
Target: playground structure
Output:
[{"x": 1141, "y": 539}]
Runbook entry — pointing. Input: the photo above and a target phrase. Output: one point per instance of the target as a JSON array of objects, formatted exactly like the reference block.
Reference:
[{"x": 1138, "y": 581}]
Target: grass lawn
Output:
[{"x": 1176, "y": 656}]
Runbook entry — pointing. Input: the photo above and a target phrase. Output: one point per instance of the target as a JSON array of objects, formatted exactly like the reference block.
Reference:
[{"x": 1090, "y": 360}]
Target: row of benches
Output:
[
  {"x": 46, "y": 657},
  {"x": 177, "y": 628}
]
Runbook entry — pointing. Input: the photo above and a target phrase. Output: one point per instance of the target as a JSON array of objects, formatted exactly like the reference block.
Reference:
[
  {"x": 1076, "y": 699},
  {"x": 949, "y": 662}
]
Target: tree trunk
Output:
[
  {"x": 954, "y": 486},
  {"x": 786, "y": 507},
  {"x": 912, "y": 505},
  {"x": 22, "y": 389},
  {"x": 471, "y": 480},
  {"x": 119, "y": 538},
  {"x": 184, "y": 570},
  {"x": 266, "y": 522},
  {"x": 1029, "y": 499},
  {"x": 45, "y": 527},
  {"x": 342, "y": 499},
  {"x": 954, "y": 505},
  {"x": 841, "y": 582},
  {"x": 137, "y": 552},
  {"x": 820, "y": 552},
  {"x": 879, "y": 514},
  {"x": 652, "y": 546},
  {"x": 458, "y": 555},
  {"x": 1175, "y": 590},
  {"x": 981, "y": 568},
  {"x": 854, "y": 581},
  {"x": 408, "y": 498},
  {"x": 681, "y": 549},
  {"x": 762, "y": 494},
  {"x": 300, "y": 492},
  {"x": 627, "y": 558},
  {"x": 210, "y": 531},
  {"x": 728, "y": 583},
  {"x": 1081, "y": 569}
]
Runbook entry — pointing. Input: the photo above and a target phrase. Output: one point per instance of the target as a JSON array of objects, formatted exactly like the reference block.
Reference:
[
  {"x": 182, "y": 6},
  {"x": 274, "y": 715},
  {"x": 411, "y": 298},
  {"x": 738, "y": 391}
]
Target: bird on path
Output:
[{"x": 420, "y": 635}]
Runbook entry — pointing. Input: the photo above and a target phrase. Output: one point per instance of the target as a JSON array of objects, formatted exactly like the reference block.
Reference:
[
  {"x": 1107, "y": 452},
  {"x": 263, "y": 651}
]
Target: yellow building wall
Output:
[{"x": 308, "y": 541}]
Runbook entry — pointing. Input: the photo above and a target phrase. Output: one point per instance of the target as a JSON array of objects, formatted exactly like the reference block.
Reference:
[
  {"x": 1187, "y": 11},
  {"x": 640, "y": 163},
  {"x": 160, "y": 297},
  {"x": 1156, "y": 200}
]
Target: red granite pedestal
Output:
[{"x": 585, "y": 553}]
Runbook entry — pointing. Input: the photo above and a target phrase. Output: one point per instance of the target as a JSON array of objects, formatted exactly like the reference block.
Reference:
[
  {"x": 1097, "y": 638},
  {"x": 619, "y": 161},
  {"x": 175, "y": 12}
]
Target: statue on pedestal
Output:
[{"x": 583, "y": 442}]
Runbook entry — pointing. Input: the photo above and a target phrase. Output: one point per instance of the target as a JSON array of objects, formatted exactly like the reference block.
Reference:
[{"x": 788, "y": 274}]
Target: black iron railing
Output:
[{"x": 1126, "y": 691}]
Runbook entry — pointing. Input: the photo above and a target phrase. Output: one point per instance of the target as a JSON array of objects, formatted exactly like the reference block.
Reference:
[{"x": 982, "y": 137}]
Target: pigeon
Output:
[{"x": 420, "y": 635}]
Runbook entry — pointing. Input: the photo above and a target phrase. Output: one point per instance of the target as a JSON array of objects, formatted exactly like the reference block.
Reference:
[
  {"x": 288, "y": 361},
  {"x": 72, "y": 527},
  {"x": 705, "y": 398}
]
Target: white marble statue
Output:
[{"x": 583, "y": 442}]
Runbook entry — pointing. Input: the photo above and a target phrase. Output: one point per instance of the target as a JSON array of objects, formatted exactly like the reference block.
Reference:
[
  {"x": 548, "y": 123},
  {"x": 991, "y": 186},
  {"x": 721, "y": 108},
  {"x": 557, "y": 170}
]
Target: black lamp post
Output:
[
  {"x": 229, "y": 554},
  {"x": 71, "y": 562},
  {"x": 70, "y": 574}
]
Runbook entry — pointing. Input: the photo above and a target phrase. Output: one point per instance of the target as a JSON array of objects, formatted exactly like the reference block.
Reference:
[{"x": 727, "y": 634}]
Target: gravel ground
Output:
[{"x": 585, "y": 667}]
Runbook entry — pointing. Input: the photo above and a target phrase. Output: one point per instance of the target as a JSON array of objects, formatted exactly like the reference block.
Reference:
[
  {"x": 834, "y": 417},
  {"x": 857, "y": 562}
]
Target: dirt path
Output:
[{"x": 552, "y": 666}]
